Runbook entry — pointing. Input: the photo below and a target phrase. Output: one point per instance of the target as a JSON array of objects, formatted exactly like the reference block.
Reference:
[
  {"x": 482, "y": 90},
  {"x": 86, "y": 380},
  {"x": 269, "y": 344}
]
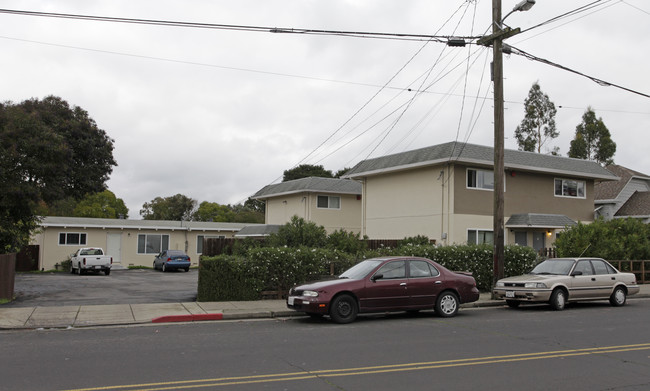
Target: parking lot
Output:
[{"x": 138, "y": 286}]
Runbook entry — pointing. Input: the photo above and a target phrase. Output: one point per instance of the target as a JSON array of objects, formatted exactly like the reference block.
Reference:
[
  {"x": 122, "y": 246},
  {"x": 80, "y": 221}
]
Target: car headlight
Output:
[
  {"x": 535, "y": 285},
  {"x": 310, "y": 293},
  {"x": 500, "y": 284}
]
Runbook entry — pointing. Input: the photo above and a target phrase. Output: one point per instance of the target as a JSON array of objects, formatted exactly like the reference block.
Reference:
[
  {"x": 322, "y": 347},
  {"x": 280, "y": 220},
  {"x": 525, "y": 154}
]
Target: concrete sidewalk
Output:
[{"x": 127, "y": 314}]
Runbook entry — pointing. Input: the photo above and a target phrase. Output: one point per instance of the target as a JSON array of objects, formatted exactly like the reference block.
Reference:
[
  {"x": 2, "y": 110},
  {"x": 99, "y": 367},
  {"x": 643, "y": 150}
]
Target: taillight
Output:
[
  {"x": 111, "y": 260},
  {"x": 169, "y": 259},
  {"x": 84, "y": 261},
  {"x": 188, "y": 259}
]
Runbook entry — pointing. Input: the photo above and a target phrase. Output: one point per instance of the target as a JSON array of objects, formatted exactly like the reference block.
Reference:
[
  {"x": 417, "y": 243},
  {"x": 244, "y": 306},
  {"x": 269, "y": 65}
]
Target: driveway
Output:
[{"x": 138, "y": 286}]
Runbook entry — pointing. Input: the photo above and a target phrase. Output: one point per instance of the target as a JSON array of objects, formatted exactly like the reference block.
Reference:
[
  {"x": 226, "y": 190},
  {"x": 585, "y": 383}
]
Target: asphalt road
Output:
[
  {"x": 137, "y": 286},
  {"x": 588, "y": 347}
]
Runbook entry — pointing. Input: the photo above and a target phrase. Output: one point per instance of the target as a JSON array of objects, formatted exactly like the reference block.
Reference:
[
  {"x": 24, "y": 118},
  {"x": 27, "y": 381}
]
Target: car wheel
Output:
[
  {"x": 163, "y": 268},
  {"x": 187, "y": 269},
  {"x": 447, "y": 304},
  {"x": 343, "y": 309},
  {"x": 513, "y": 303},
  {"x": 107, "y": 271},
  {"x": 558, "y": 299},
  {"x": 618, "y": 297},
  {"x": 79, "y": 269}
]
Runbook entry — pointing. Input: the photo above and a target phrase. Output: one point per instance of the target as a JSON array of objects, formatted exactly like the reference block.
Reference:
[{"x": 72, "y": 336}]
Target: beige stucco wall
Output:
[
  {"x": 51, "y": 253},
  {"x": 279, "y": 210},
  {"x": 407, "y": 203}
]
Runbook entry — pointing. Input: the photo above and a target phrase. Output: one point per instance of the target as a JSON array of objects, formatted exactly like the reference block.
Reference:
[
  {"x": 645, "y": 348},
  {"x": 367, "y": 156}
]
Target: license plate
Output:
[
  {"x": 510, "y": 293},
  {"x": 290, "y": 300},
  {"x": 98, "y": 267}
]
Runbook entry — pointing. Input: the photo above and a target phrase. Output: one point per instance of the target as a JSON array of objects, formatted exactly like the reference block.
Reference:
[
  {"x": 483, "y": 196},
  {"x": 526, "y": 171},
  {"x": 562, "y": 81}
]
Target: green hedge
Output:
[{"x": 245, "y": 277}]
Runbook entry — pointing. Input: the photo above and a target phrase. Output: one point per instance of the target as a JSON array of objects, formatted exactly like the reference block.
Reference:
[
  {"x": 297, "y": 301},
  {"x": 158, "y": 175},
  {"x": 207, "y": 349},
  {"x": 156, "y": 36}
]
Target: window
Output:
[
  {"x": 569, "y": 188},
  {"x": 199, "y": 242},
  {"x": 421, "y": 269},
  {"x": 477, "y": 236},
  {"x": 601, "y": 267},
  {"x": 152, "y": 243},
  {"x": 480, "y": 179},
  {"x": 328, "y": 202},
  {"x": 584, "y": 267},
  {"x": 393, "y": 270},
  {"x": 72, "y": 239},
  {"x": 521, "y": 238}
]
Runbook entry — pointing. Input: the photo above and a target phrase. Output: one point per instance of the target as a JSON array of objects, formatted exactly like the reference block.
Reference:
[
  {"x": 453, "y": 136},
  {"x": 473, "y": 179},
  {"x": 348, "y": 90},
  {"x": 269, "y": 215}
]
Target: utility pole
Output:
[
  {"x": 499, "y": 33},
  {"x": 497, "y": 76}
]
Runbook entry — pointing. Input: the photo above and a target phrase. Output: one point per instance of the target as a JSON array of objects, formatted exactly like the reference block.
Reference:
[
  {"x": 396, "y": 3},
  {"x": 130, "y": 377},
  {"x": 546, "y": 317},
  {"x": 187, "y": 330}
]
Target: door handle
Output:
[
  {"x": 438, "y": 282},
  {"x": 402, "y": 284},
  {"x": 593, "y": 279}
]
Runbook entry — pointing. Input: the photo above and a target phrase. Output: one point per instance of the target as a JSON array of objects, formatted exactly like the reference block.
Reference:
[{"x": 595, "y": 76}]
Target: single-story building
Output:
[{"x": 129, "y": 242}]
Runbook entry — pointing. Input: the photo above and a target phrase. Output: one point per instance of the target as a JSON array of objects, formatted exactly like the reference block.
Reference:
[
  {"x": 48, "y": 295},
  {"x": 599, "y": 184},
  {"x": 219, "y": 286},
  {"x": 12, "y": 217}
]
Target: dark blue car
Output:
[{"x": 172, "y": 260}]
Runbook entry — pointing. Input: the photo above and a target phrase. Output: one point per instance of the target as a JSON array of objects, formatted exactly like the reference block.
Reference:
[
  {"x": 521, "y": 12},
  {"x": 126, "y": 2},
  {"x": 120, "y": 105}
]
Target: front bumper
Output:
[
  {"x": 519, "y": 294},
  {"x": 307, "y": 304}
]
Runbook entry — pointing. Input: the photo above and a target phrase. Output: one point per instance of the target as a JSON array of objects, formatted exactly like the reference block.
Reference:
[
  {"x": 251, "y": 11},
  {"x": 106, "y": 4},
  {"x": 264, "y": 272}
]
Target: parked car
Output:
[
  {"x": 90, "y": 259},
  {"x": 172, "y": 260},
  {"x": 386, "y": 284},
  {"x": 562, "y": 280}
]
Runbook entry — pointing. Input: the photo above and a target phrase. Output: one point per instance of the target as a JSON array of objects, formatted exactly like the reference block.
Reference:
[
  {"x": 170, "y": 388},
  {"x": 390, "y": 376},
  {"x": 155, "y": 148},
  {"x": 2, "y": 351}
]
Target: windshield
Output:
[
  {"x": 361, "y": 269},
  {"x": 557, "y": 266}
]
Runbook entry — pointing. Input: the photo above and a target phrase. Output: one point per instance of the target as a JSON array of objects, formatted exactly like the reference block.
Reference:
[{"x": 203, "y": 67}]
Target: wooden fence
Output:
[{"x": 640, "y": 268}]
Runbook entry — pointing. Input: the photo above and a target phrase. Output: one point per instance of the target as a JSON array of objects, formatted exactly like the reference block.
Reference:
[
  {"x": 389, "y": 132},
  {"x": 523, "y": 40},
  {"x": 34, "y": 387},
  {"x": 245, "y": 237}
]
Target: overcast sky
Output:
[{"x": 217, "y": 114}]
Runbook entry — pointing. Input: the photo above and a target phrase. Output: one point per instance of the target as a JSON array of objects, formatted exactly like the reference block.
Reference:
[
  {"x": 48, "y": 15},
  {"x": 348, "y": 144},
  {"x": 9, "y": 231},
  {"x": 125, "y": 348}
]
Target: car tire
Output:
[
  {"x": 343, "y": 309},
  {"x": 558, "y": 299},
  {"x": 163, "y": 267},
  {"x": 187, "y": 269},
  {"x": 107, "y": 271},
  {"x": 78, "y": 269},
  {"x": 447, "y": 304},
  {"x": 513, "y": 303},
  {"x": 618, "y": 297}
]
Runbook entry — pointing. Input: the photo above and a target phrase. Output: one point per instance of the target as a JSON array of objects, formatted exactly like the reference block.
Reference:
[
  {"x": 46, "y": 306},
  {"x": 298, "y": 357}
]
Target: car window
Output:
[
  {"x": 584, "y": 267},
  {"x": 392, "y": 270},
  {"x": 421, "y": 269},
  {"x": 601, "y": 267},
  {"x": 558, "y": 266}
]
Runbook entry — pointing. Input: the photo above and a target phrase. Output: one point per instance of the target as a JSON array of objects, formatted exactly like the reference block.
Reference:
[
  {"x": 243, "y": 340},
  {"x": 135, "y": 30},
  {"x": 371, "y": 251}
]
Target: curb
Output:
[{"x": 187, "y": 318}]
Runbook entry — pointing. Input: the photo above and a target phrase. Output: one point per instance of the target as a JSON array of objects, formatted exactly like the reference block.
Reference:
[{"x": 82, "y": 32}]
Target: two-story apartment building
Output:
[
  {"x": 446, "y": 193},
  {"x": 332, "y": 203}
]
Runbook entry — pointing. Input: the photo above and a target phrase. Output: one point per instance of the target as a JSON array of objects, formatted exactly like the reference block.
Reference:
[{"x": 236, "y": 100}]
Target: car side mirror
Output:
[
  {"x": 377, "y": 277},
  {"x": 576, "y": 273}
]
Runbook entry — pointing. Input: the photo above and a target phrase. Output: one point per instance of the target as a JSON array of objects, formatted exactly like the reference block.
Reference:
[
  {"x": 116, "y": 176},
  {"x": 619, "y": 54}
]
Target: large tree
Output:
[
  {"x": 306, "y": 170},
  {"x": 49, "y": 151},
  {"x": 212, "y": 211},
  {"x": 102, "y": 205},
  {"x": 592, "y": 140},
  {"x": 177, "y": 208},
  {"x": 538, "y": 125}
]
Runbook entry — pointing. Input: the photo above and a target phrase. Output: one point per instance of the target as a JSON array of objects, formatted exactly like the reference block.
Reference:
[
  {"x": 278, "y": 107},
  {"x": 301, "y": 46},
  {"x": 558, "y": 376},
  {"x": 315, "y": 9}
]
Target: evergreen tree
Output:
[
  {"x": 538, "y": 125},
  {"x": 592, "y": 140}
]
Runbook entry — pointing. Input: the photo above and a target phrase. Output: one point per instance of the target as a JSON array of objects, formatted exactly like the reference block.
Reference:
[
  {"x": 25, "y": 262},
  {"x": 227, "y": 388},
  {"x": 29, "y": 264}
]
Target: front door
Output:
[
  {"x": 114, "y": 247},
  {"x": 539, "y": 241}
]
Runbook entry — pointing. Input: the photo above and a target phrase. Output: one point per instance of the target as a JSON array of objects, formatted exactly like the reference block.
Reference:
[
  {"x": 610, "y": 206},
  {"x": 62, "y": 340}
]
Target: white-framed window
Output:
[
  {"x": 479, "y": 236},
  {"x": 199, "y": 241},
  {"x": 72, "y": 239},
  {"x": 152, "y": 243},
  {"x": 480, "y": 179},
  {"x": 569, "y": 188},
  {"x": 328, "y": 202}
]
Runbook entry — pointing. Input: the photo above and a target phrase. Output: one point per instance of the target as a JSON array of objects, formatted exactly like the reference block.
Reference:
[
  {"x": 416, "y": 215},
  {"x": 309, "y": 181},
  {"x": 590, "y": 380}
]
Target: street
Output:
[{"x": 590, "y": 346}]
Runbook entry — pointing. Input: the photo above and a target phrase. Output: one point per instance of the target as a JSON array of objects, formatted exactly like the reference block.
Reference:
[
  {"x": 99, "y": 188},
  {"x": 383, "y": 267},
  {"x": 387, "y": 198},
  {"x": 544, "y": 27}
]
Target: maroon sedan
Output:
[{"x": 386, "y": 284}]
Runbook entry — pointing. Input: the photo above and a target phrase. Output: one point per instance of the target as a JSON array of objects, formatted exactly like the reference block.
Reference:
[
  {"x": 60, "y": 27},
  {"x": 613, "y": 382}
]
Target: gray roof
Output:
[
  {"x": 535, "y": 220},
  {"x": 637, "y": 205},
  {"x": 310, "y": 184},
  {"x": 258, "y": 230},
  {"x": 456, "y": 152},
  {"x": 611, "y": 190},
  {"x": 85, "y": 222}
]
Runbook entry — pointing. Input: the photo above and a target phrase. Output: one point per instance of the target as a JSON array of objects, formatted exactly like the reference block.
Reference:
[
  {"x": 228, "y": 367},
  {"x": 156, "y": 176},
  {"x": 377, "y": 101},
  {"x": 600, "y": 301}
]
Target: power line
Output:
[
  {"x": 233, "y": 27},
  {"x": 594, "y": 79}
]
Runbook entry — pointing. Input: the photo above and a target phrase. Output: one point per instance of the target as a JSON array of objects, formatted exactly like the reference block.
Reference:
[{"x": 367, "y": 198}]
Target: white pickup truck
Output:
[{"x": 90, "y": 258}]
